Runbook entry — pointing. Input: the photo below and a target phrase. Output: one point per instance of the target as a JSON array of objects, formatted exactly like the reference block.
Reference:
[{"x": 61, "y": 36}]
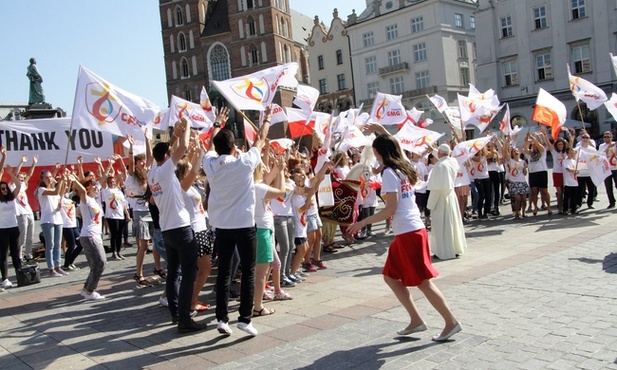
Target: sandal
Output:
[
  {"x": 329, "y": 248},
  {"x": 161, "y": 273},
  {"x": 140, "y": 279},
  {"x": 282, "y": 296},
  {"x": 337, "y": 245},
  {"x": 265, "y": 311},
  {"x": 200, "y": 306}
]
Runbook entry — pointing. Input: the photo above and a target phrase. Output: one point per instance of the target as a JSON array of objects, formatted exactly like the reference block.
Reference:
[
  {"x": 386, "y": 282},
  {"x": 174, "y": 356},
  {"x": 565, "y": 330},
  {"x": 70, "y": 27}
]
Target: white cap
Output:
[{"x": 444, "y": 148}]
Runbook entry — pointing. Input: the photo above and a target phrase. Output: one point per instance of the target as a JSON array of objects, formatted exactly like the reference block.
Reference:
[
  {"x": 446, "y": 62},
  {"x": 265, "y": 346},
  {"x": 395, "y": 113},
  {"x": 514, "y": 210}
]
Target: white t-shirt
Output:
[
  {"x": 569, "y": 178},
  {"x": 480, "y": 169},
  {"x": 407, "y": 215},
  {"x": 516, "y": 171},
  {"x": 462, "y": 176},
  {"x": 341, "y": 172},
  {"x": 298, "y": 201},
  {"x": 115, "y": 203},
  {"x": 264, "y": 218},
  {"x": 167, "y": 193},
  {"x": 537, "y": 163},
  {"x": 67, "y": 211},
  {"x": 422, "y": 176},
  {"x": 583, "y": 169},
  {"x": 558, "y": 158},
  {"x": 91, "y": 214},
  {"x": 8, "y": 210},
  {"x": 610, "y": 155},
  {"x": 21, "y": 203},
  {"x": 231, "y": 204},
  {"x": 282, "y": 206},
  {"x": 134, "y": 191},
  {"x": 48, "y": 206},
  {"x": 194, "y": 205}
]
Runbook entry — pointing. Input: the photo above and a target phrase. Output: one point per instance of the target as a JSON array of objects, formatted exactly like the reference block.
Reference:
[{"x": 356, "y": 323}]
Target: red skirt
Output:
[
  {"x": 558, "y": 180},
  {"x": 409, "y": 259}
]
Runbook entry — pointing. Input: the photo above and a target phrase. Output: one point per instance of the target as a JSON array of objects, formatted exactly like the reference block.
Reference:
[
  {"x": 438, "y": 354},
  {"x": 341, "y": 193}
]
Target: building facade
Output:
[
  {"x": 526, "y": 45},
  {"x": 330, "y": 65},
  {"x": 414, "y": 48}
]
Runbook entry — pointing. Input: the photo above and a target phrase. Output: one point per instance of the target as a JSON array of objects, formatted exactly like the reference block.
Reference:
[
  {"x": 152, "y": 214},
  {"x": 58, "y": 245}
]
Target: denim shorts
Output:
[{"x": 313, "y": 222}]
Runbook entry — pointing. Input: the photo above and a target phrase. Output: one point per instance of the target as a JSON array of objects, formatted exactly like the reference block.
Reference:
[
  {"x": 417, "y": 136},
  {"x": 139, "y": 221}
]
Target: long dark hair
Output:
[
  {"x": 390, "y": 152},
  {"x": 9, "y": 194}
]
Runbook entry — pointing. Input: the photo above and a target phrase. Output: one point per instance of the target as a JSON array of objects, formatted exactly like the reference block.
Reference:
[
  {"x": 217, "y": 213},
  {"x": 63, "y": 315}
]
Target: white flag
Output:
[
  {"x": 415, "y": 139},
  {"x": 306, "y": 98},
  {"x": 611, "y": 106},
  {"x": 206, "y": 105},
  {"x": 256, "y": 91},
  {"x": 584, "y": 90},
  {"x": 387, "y": 109},
  {"x": 506, "y": 126},
  {"x": 467, "y": 149},
  {"x": 101, "y": 106},
  {"x": 440, "y": 103},
  {"x": 193, "y": 113}
]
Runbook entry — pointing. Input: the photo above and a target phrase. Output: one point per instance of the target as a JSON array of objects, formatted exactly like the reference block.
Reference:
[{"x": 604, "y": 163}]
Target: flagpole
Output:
[
  {"x": 246, "y": 118},
  {"x": 66, "y": 156}
]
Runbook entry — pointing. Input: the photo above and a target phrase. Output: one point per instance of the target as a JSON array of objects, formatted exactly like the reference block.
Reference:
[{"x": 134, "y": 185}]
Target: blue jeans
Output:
[{"x": 53, "y": 238}]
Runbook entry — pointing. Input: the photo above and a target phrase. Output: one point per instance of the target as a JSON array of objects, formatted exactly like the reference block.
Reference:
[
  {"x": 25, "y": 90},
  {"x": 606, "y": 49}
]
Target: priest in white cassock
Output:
[{"x": 447, "y": 232}]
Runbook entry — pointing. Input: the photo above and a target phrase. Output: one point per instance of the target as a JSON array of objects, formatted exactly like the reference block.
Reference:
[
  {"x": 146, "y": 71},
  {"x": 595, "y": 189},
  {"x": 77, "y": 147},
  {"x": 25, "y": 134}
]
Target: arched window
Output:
[
  {"x": 251, "y": 26},
  {"x": 219, "y": 65},
  {"x": 254, "y": 55},
  {"x": 188, "y": 95},
  {"x": 179, "y": 16},
  {"x": 184, "y": 68},
  {"x": 181, "y": 42}
]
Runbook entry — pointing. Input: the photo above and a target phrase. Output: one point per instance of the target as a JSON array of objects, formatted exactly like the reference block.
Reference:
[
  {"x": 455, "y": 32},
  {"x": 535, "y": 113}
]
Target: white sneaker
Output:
[
  {"x": 223, "y": 328},
  {"x": 247, "y": 328},
  {"x": 54, "y": 273},
  {"x": 163, "y": 301},
  {"x": 95, "y": 296},
  {"x": 7, "y": 284}
]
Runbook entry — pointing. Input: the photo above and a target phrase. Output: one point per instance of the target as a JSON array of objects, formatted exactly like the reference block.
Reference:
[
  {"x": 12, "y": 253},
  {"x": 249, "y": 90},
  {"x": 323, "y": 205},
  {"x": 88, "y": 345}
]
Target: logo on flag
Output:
[
  {"x": 256, "y": 90},
  {"x": 101, "y": 103}
]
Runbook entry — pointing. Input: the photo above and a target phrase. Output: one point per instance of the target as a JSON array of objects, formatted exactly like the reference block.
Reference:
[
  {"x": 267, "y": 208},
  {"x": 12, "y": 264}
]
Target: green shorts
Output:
[{"x": 265, "y": 246}]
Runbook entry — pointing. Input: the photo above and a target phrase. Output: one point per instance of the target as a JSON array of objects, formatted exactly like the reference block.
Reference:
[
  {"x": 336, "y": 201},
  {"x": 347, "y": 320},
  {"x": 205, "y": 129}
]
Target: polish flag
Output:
[
  {"x": 298, "y": 123},
  {"x": 550, "y": 112}
]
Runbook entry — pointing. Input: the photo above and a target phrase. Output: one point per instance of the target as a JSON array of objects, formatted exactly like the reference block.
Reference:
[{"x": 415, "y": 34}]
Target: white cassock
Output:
[{"x": 447, "y": 232}]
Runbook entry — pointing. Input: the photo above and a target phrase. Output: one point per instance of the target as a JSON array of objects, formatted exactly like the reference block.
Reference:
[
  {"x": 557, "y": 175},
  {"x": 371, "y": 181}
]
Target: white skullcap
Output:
[{"x": 444, "y": 148}]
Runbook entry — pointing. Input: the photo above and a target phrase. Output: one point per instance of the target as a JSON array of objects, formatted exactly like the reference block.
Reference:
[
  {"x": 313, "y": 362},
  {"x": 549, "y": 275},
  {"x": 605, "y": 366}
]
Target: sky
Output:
[{"x": 119, "y": 40}]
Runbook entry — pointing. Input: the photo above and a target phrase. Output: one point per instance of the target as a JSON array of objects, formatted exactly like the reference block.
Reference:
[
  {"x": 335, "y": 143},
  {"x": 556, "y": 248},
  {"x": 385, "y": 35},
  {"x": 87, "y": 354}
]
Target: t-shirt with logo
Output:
[
  {"x": 610, "y": 155},
  {"x": 480, "y": 169},
  {"x": 167, "y": 193},
  {"x": 516, "y": 170},
  {"x": 67, "y": 210},
  {"x": 134, "y": 192},
  {"x": 558, "y": 158},
  {"x": 407, "y": 215},
  {"x": 281, "y": 206},
  {"x": 569, "y": 178},
  {"x": 48, "y": 206},
  {"x": 21, "y": 202},
  {"x": 264, "y": 218},
  {"x": 115, "y": 203},
  {"x": 194, "y": 206},
  {"x": 297, "y": 202},
  {"x": 91, "y": 215}
]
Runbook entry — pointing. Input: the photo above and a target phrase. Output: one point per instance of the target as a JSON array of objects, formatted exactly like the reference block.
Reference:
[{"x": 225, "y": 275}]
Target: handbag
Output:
[{"x": 28, "y": 274}]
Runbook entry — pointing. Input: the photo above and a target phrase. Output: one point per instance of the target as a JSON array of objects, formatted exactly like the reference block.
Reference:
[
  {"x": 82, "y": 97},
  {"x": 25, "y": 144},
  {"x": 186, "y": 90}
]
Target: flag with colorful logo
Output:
[
  {"x": 193, "y": 113},
  {"x": 101, "y": 106},
  {"x": 416, "y": 139},
  {"x": 387, "y": 109},
  {"x": 549, "y": 111},
  {"x": 206, "y": 105},
  {"x": 467, "y": 149},
  {"x": 584, "y": 90},
  {"x": 440, "y": 103},
  {"x": 477, "y": 112},
  {"x": 256, "y": 90},
  {"x": 597, "y": 164},
  {"x": 506, "y": 126}
]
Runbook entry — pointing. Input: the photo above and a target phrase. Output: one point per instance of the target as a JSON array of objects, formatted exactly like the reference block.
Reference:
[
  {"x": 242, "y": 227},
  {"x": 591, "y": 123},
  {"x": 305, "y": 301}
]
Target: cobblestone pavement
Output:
[{"x": 533, "y": 293}]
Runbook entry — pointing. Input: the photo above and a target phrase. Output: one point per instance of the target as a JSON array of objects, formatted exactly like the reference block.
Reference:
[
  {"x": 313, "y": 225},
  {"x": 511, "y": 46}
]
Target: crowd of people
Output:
[{"x": 256, "y": 211}]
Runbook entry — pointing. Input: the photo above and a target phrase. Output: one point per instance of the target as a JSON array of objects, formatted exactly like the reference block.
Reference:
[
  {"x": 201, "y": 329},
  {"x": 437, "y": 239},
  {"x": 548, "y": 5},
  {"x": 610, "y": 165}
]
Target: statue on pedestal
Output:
[{"x": 36, "y": 89}]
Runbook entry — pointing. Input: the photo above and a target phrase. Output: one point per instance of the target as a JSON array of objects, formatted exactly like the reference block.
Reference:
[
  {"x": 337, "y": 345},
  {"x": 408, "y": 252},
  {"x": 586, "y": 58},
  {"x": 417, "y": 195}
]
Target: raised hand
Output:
[{"x": 24, "y": 158}]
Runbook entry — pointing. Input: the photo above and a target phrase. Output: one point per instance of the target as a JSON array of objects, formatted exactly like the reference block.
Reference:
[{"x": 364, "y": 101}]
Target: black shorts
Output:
[
  {"x": 538, "y": 179},
  {"x": 300, "y": 241}
]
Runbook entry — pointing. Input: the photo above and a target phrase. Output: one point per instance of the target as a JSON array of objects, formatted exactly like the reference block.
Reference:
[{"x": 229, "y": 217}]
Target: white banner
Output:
[
  {"x": 50, "y": 138},
  {"x": 324, "y": 194}
]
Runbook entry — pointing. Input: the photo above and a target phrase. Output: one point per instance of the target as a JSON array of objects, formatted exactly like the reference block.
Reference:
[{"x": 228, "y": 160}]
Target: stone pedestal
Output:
[{"x": 38, "y": 111}]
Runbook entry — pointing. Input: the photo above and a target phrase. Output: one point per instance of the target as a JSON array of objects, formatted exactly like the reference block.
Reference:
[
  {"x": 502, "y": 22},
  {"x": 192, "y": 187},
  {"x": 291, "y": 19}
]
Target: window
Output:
[
  {"x": 510, "y": 73},
  {"x": 371, "y": 64},
  {"x": 181, "y": 42},
  {"x": 184, "y": 68},
  {"x": 341, "y": 81},
  {"x": 539, "y": 17},
  {"x": 464, "y": 76},
  {"x": 462, "y": 49},
  {"x": 339, "y": 57},
  {"x": 472, "y": 22},
  {"x": 394, "y": 57},
  {"x": 254, "y": 55},
  {"x": 179, "y": 17},
  {"x": 323, "y": 86},
  {"x": 251, "y": 26},
  {"x": 391, "y": 32},
  {"x": 458, "y": 20},
  {"x": 422, "y": 80},
  {"x": 581, "y": 59},
  {"x": 367, "y": 38},
  {"x": 578, "y": 9},
  {"x": 417, "y": 24},
  {"x": 188, "y": 95},
  {"x": 396, "y": 85},
  {"x": 320, "y": 61},
  {"x": 543, "y": 66},
  {"x": 419, "y": 52},
  {"x": 219, "y": 63},
  {"x": 372, "y": 88},
  {"x": 506, "y": 27}
]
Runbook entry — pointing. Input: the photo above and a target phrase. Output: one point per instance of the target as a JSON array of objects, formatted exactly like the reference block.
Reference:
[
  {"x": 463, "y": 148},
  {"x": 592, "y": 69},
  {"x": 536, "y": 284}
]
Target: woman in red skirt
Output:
[{"x": 409, "y": 259}]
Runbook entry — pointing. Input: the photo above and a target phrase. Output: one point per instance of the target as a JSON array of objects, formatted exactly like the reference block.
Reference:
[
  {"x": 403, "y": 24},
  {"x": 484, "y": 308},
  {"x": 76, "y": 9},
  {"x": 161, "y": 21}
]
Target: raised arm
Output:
[
  {"x": 264, "y": 129},
  {"x": 221, "y": 119},
  {"x": 198, "y": 158},
  {"x": 149, "y": 157},
  {"x": 14, "y": 180},
  {"x": 182, "y": 131}
]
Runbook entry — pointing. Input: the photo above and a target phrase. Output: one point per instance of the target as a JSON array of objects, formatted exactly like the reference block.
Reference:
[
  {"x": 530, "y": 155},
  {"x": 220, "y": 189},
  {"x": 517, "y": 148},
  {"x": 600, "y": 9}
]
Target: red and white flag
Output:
[
  {"x": 321, "y": 122},
  {"x": 549, "y": 111},
  {"x": 306, "y": 98},
  {"x": 101, "y": 106},
  {"x": 206, "y": 105},
  {"x": 387, "y": 109},
  {"x": 414, "y": 115},
  {"x": 249, "y": 132},
  {"x": 467, "y": 149},
  {"x": 193, "y": 113},
  {"x": 256, "y": 91},
  {"x": 278, "y": 114},
  {"x": 506, "y": 126},
  {"x": 298, "y": 123},
  {"x": 611, "y": 106},
  {"x": 584, "y": 90},
  {"x": 281, "y": 145}
]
